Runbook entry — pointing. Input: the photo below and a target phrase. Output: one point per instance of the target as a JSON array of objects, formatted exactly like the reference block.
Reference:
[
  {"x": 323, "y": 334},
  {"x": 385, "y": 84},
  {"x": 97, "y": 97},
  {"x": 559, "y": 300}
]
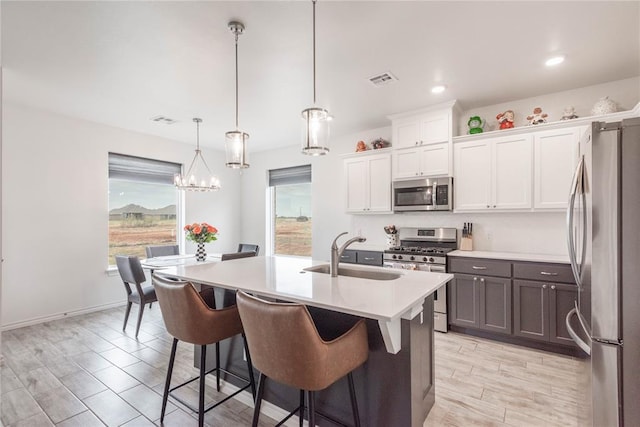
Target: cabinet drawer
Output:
[
  {"x": 544, "y": 272},
  {"x": 369, "y": 258},
  {"x": 348, "y": 256},
  {"x": 479, "y": 266}
]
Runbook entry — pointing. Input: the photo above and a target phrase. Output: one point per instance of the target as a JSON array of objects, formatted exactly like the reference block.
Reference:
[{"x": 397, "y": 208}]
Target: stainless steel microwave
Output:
[{"x": 427, "y": 194}]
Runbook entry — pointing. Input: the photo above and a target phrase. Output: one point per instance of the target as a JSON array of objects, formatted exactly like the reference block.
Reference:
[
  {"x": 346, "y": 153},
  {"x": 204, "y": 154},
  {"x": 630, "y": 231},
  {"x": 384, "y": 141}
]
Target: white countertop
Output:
[
  {"x": 513, "y": 256},
  {"x": 387, "y": 301}
]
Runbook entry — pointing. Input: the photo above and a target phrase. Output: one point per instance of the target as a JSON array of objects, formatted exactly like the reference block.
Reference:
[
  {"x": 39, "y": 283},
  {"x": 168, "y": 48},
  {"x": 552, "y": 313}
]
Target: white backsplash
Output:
[{"x": 539, "y": 232}]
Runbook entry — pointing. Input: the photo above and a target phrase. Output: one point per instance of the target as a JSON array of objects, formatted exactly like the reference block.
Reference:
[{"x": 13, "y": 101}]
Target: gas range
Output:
[{"x": 419, "y": 246}]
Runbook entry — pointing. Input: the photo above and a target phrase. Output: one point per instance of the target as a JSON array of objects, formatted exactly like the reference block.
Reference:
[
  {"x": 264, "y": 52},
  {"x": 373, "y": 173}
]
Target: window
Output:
[
  {"x": 142, "y": 205},
  {"x": 291, "y": 210}
]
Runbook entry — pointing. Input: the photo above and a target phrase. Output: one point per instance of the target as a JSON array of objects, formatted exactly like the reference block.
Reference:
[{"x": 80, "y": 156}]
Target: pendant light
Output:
[
  {"x": 198, "y": 176},
  {"x": 236, "y": 140},
  {"x": 315, "y": 119}
]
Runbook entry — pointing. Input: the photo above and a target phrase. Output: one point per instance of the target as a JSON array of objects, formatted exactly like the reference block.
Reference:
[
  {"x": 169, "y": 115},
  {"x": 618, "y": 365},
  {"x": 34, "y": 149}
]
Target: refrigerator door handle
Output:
[
  {"x": 575, "y": 190},
  {"x": 583, "y": 345}
]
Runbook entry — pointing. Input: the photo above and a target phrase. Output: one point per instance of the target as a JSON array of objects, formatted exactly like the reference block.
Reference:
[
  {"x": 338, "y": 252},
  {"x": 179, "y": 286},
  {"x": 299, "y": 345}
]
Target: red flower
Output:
[
  {"x": 197, "y": 229},
  {"x": 187, "y": 227}
]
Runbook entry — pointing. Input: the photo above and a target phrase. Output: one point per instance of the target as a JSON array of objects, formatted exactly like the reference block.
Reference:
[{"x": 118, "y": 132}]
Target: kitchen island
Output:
[{"x": 396, "y": 385}]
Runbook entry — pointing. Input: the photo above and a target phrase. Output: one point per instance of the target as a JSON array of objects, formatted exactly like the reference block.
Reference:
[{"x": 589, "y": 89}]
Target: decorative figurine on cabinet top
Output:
[
  {"x": 537, "y": 117},
  {"x": 475, "y": 124},
  {"x": 505, "y": 119},
  {"x": 569, "y": 113},
  {"x": 361, "y": 146},
  {"x": 604, "y": 106},
  {"x": 379, "y": 143}
]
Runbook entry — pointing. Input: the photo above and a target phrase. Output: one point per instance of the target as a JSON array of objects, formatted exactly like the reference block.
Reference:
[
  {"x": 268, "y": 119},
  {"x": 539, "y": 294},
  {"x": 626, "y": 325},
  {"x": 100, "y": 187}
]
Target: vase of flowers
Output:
[{"x": 201, "y": 234}]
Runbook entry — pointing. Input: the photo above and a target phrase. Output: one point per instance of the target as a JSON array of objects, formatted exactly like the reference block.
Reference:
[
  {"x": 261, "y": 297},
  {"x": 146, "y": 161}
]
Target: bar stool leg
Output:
[
  {"x": 301, "y": 413},
  {"x": 167, "y": 384},
  {"x": 259, "y": 394},
  {"x": 218, "y": 366},
  {"x": 252, "y": 379},
  {"x": 311, "y": 408},
  {"x": 354, "y": 402},
  {"x": 203, "y": 370}
]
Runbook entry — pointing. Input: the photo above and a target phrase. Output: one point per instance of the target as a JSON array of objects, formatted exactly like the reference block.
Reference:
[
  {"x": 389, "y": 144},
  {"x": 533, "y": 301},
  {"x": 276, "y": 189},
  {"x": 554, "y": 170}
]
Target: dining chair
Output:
[
  {"x": 154, "y": 251},
  {"x": 236, "y": 255},
  {"x": 133, "y": 277},
  {"x": 189, "y": 319},
  {"x": 246, "y": 247}
]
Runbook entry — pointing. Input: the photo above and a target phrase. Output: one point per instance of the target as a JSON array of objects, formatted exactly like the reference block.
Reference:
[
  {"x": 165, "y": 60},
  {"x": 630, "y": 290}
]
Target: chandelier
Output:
[
  {"x": 315, "y": 140},
  {"x": 198, "y": 176},
  {"x": 236, "y": 141}
]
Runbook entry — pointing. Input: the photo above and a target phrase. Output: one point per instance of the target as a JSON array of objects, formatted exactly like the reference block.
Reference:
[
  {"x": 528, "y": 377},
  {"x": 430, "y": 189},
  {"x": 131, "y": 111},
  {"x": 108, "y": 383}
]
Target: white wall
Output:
[
  {"x": 626, "y": 93},
  {"x": 55, "y": 210}
]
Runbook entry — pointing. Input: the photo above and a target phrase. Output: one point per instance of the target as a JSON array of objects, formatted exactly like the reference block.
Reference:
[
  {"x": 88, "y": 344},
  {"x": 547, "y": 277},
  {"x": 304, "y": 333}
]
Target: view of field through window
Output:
[
  {"x": 140, "y": 214},
  {"x": 293, "y": 219}
]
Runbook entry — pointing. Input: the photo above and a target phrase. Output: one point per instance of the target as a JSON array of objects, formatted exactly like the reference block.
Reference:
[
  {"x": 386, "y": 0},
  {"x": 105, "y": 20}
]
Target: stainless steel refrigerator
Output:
[{"x": 603, "y": 224}]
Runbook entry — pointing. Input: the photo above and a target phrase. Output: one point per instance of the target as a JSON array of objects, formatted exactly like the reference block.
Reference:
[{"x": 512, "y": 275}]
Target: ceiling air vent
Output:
[
  {"x": 383, "y": 79},
  {"x": 163, "y": 119}
]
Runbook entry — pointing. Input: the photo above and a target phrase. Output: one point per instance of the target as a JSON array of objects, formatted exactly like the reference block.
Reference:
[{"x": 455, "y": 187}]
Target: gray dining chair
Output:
[
  {"x": 133, "y": 277},
  {"x": 246, "y": 247},
  {"x": 236, "y": 255},
  {"x": 154, "y": 251}
]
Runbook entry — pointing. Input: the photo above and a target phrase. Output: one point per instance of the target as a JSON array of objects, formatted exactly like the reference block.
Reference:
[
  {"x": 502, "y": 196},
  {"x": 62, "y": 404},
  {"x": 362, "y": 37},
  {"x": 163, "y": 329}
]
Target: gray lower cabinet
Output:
[
  {"x": 539, "y": 310},
  {"x": 521, "y": 299},
  {"x": 355, "y": 256},
  {"x": 481, "y": 302}
]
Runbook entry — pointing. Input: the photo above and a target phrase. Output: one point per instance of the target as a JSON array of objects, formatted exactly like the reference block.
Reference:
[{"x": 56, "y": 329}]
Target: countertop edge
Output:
[{"x": 512, "y": 256}]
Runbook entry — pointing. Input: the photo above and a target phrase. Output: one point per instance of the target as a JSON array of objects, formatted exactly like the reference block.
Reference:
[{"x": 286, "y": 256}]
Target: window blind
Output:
[
  {"x": 140, "y": 169},
  {"x": 292, "y": 175}
]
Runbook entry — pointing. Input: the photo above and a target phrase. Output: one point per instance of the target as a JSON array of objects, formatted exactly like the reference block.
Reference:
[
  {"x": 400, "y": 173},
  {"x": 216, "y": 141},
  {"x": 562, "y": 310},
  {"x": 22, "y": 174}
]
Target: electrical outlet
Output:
[{"x": 489, "y": 236}]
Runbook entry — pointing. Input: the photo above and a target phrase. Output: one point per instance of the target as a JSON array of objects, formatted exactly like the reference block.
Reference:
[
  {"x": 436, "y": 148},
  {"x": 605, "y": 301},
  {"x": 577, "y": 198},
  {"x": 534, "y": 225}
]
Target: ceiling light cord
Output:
[
  {"x": 197, "y": 133},
  {"x": 314, "y": 52},
  {"x": 236, "y": 34}
]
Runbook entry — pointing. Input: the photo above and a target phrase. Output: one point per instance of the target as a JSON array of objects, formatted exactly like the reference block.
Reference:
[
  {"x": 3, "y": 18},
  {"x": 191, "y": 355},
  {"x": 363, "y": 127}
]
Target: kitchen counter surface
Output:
[
  {"x": 387, "y": 301},
  {"x": 512, "y": 256}
]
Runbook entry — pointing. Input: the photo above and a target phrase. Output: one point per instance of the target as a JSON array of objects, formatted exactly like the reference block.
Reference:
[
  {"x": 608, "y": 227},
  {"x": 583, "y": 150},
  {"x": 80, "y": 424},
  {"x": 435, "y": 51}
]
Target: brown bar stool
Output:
[
  {"x": 188, "y": 318},
  {"x": 287, "y": 348}
]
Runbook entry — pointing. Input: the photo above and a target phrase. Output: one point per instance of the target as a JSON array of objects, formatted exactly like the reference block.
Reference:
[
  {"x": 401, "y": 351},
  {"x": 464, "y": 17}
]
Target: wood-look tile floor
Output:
[{"x": 85, "y": 371}]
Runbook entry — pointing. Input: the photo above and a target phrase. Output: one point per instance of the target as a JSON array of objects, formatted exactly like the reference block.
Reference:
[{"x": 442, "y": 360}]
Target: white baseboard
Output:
[{"x": 58, "y": 316}]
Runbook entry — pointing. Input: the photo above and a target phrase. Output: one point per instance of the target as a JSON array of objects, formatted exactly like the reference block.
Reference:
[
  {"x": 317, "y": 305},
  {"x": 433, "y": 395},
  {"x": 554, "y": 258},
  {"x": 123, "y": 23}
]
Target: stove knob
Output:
[
  {"x": 413, "y": 258},
  {"x": 425, "y": 259},
  {"x": 399, "y": 256},
  {"x": 394, "y": 256},
  {"x": 430, "y": 259}
]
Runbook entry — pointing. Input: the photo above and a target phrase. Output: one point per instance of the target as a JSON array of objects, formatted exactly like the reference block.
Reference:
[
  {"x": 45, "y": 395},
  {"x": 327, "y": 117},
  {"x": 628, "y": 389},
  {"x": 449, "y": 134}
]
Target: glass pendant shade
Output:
[
  {"x": 315, "y": 128},
  {"x": 236, "y": 148},
  {"x": 198, "y": 176}
]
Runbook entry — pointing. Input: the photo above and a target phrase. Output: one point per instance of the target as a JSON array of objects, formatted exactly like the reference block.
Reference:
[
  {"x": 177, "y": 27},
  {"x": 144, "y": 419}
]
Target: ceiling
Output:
[{"x": 121, "y": 63}]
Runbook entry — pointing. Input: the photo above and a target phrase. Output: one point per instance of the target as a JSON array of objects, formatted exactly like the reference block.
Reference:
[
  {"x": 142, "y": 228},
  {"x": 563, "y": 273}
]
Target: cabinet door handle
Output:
[
  {"x": 488, "y": 206},
  {"x": 494, "y": 206},
  {"x": 482, "y": 280},
  {"x": 553, "y": 287},
  {"x": 345, "y": 256},
  {"x": 475, "y": 278},
  {"x": 546, "y": 273},
  {"x": 475, "y": 267},
  {"x": 369, "y": 258},
  {"x": 544, "y": 286}
]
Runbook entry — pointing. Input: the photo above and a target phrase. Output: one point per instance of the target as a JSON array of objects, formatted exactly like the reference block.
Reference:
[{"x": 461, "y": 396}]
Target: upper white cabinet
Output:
[
  {"x": 422, "y": 129},
  {"x": 493, "y": 174},
  {"x": 555, "y": 157},
  {"x": 368, "y": 183},
  {"x": 424, "y": 161}
]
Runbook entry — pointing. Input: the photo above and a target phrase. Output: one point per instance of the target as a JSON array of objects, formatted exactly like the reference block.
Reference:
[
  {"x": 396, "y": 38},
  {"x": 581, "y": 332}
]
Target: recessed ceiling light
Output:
[
  {"x": 554, "y": 61},
  {"x": 438, "y": 89}
]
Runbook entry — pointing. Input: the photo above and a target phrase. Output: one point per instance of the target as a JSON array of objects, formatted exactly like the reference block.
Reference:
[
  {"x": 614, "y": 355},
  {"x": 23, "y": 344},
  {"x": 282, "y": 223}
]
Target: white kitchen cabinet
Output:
[
  {"x": 426, "y": 161},
  {"x": 555, "y": 158},
  {"x": 493, "y": 174},
  {"x": 368, "y": 183},
  {"x": 422, "y": 129}
]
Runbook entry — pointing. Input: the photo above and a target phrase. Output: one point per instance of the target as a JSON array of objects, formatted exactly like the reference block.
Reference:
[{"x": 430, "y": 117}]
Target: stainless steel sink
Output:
[{"x": 352, "y": 272}]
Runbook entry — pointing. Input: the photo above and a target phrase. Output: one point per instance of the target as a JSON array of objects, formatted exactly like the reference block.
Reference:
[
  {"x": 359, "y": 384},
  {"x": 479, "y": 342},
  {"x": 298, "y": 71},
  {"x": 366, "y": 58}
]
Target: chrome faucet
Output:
[{"x": 336, "y": 252}]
